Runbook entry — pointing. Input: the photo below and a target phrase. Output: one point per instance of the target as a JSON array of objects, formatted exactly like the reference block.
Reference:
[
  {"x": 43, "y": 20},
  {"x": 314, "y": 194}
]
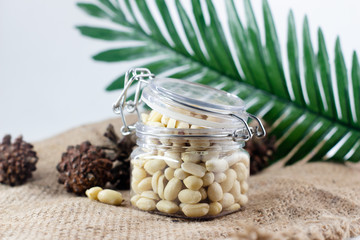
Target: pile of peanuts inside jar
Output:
[{"x": 195, "y": 177}]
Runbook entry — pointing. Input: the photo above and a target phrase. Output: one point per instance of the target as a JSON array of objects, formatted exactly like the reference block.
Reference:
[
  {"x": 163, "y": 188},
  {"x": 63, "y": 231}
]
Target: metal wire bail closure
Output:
[{"x": 142, "y": 75}]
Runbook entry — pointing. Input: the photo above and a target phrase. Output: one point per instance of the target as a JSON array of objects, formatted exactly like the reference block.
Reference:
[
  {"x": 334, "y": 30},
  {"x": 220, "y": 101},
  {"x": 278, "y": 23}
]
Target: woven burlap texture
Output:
[{"x": 311, "y": 201}]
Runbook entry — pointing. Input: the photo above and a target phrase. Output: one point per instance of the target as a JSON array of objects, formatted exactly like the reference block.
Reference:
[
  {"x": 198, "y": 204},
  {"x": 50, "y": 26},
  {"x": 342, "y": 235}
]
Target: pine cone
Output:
[
  {"x": 121, "y": 152},
  {"x": 17, "y": 161},
  {"x": 261, "y": 151},
  {"x": 83, "y": 167}
]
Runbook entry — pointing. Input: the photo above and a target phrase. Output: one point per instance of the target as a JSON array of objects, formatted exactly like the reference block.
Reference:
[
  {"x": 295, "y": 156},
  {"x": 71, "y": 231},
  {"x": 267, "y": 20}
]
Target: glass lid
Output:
[{"x": 194, "y": 103}]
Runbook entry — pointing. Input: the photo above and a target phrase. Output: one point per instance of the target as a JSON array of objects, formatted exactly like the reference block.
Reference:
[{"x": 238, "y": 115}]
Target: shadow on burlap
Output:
[{"x": 312, "y": 201}]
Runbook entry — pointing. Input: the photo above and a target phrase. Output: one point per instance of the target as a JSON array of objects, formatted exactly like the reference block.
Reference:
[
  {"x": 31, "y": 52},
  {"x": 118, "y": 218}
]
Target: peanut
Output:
[
  {"x": 155, "y": 180},
  {"x": 110, "y": 197},
  {"x": 195, "y": 210},
  {"x": 227, "y": 200},
  {"x": 138, "y": 173},
  {"x": 233, "y": 207},
  {"x": 208, "y": 179},
  {"x": 180, "y": 174},
  {"x": 93, "y": 192},
  {"x": 134, "y": 199},
  {"x": 154, "y": 116},
  {"x": 215, "y": 192},
  {"x": 217, "y": 165},
  {"x": 145, "y": 204},
  {"x": 214, "y": 208},
  {"x": 150, "y": 195},
  {"x": 244, "y": 187},
  {"x": 172, "y": 189},
  {"x": 169, "y": 173},
  {"x": 161, "y": 187},
  {"x": 230, "y": 179},
  {"x": 167, "y": 206},
  {"x": 243, "y": 199},
  {"x": 193, "y": 183},
  {"x": 189, "y": 196},
  {"x": 145, "y": 184},
  {"x": 154, "y": 165},
  {"x": 220, "y": 177},
  {"x": 194, "y": 169},
  {"x": 241, "y": 171},
  {"x": 192, "y": 157},
  {"x": 172, "y": 159}
]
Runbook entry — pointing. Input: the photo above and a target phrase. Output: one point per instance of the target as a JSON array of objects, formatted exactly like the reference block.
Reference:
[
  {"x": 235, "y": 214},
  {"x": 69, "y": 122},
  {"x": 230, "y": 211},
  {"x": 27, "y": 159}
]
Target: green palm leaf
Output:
[{"x": 312, "y": 119}]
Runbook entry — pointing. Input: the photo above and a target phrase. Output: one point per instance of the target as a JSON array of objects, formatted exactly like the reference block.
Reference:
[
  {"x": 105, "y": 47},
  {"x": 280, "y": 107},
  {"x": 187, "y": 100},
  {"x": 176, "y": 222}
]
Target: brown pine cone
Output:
[
  {"x": 17, "y": 161},
  {"x": 261, "y": 151},
  {"x": 120, "y": 156},
  {"x": 83, "y": 167}
]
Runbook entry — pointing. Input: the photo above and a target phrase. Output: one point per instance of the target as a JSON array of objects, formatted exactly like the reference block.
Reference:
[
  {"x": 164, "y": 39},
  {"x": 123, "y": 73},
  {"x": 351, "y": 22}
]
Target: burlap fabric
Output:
[{"x": 312, "y": 201}]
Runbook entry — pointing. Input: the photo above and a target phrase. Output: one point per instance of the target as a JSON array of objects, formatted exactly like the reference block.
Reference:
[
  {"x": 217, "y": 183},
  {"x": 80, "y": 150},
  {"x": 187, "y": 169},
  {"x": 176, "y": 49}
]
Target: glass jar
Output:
[{"x": 189, "y": 161}]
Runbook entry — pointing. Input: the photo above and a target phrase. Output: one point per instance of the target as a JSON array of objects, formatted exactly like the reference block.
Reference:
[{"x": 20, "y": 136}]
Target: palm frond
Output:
[{"x": 312, "y": 119}]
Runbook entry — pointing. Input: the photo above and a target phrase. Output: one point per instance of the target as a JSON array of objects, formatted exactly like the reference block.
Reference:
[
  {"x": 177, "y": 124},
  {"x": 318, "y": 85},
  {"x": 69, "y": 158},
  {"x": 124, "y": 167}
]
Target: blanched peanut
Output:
[
  {"x": 189, "y": 196},
  {"x": 154, "y": 116},
  {"x": 214, "y": 208},
  {"x": 230, "y": 179},
  {"x": 208, "y": 179},
  {"x": 236, "y": 190},
  {"x": 167, "y": 206},
  {"x": 172, "y": 189},
  {"x": 164, "y": 120},
  {"x": 109, "y": 196},
  {"x": 172, "y": 159},
  {"x": 196, "y": 127},
  {"x": 145, "y": 184},
  {"x": 227, "y": 200},
  {"x": 196, "y": 210},
  {"x": 171, "y": 123},
  {"x": 134, "y": 199},
  {"x": 154, "y": 165},
  {"x": 180, "y": 174},
  {"x": 244, "y": 158},
  {"x": 241, "y": 171},
  {"x": 155, "y": 180},
  {"x": 211, "y": 155},
  {"x": 138, "y": 173},
  {"x": 181, "y": 205},
  {"x": 150, "y": 195},
  {"x": 161, "y": 186},
  {"x": 193, "y": 183},
  {"x": 134, "y": 186},
  {"x": 144, "y": 117},
  {"x": 244, "y": 187},
  {"x": 220, "y": 177},
  {"x": 194, "y": 169},
  {"x": 233, "y": 207},
  {"x": 217, "y": 165},
  {"x": 93, "y": 192},
  {"x": 155, "y": 124},
  {"x": 215, "y": 192},
  {"x": 169, "y": 173},
  {"x": 203, "y": 193},
  {"x": 145, "y": 204},
  {"x": 232, "y": 158},
  {"x": 193, "y": 157},
  {"x": 243, "y": 200},
  {"x": 183, "y": 125},
  {"x": 199, "y": 143}
]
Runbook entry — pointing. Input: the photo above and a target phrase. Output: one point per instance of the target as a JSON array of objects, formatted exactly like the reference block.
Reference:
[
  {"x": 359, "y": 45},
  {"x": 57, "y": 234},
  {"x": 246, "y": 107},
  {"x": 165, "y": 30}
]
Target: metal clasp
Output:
[
  {"x": 238, "y": 135},
  {"x": 142, "y": 75}
]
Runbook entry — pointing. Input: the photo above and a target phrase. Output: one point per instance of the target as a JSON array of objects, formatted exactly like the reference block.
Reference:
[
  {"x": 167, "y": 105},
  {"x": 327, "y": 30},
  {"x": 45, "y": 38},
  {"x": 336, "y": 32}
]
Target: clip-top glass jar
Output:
[{"x": 189, "y": 161}]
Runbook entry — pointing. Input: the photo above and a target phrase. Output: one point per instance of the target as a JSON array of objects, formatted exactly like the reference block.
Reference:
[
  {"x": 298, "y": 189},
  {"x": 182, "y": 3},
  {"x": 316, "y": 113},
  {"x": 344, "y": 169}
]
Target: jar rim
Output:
[{"x": 216, "y": 133}]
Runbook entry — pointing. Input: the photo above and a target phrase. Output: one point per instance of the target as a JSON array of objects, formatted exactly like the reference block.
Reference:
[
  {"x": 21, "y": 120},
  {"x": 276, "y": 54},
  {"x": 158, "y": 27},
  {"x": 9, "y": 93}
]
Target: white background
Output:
[{"x": 48, "y": 82}]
